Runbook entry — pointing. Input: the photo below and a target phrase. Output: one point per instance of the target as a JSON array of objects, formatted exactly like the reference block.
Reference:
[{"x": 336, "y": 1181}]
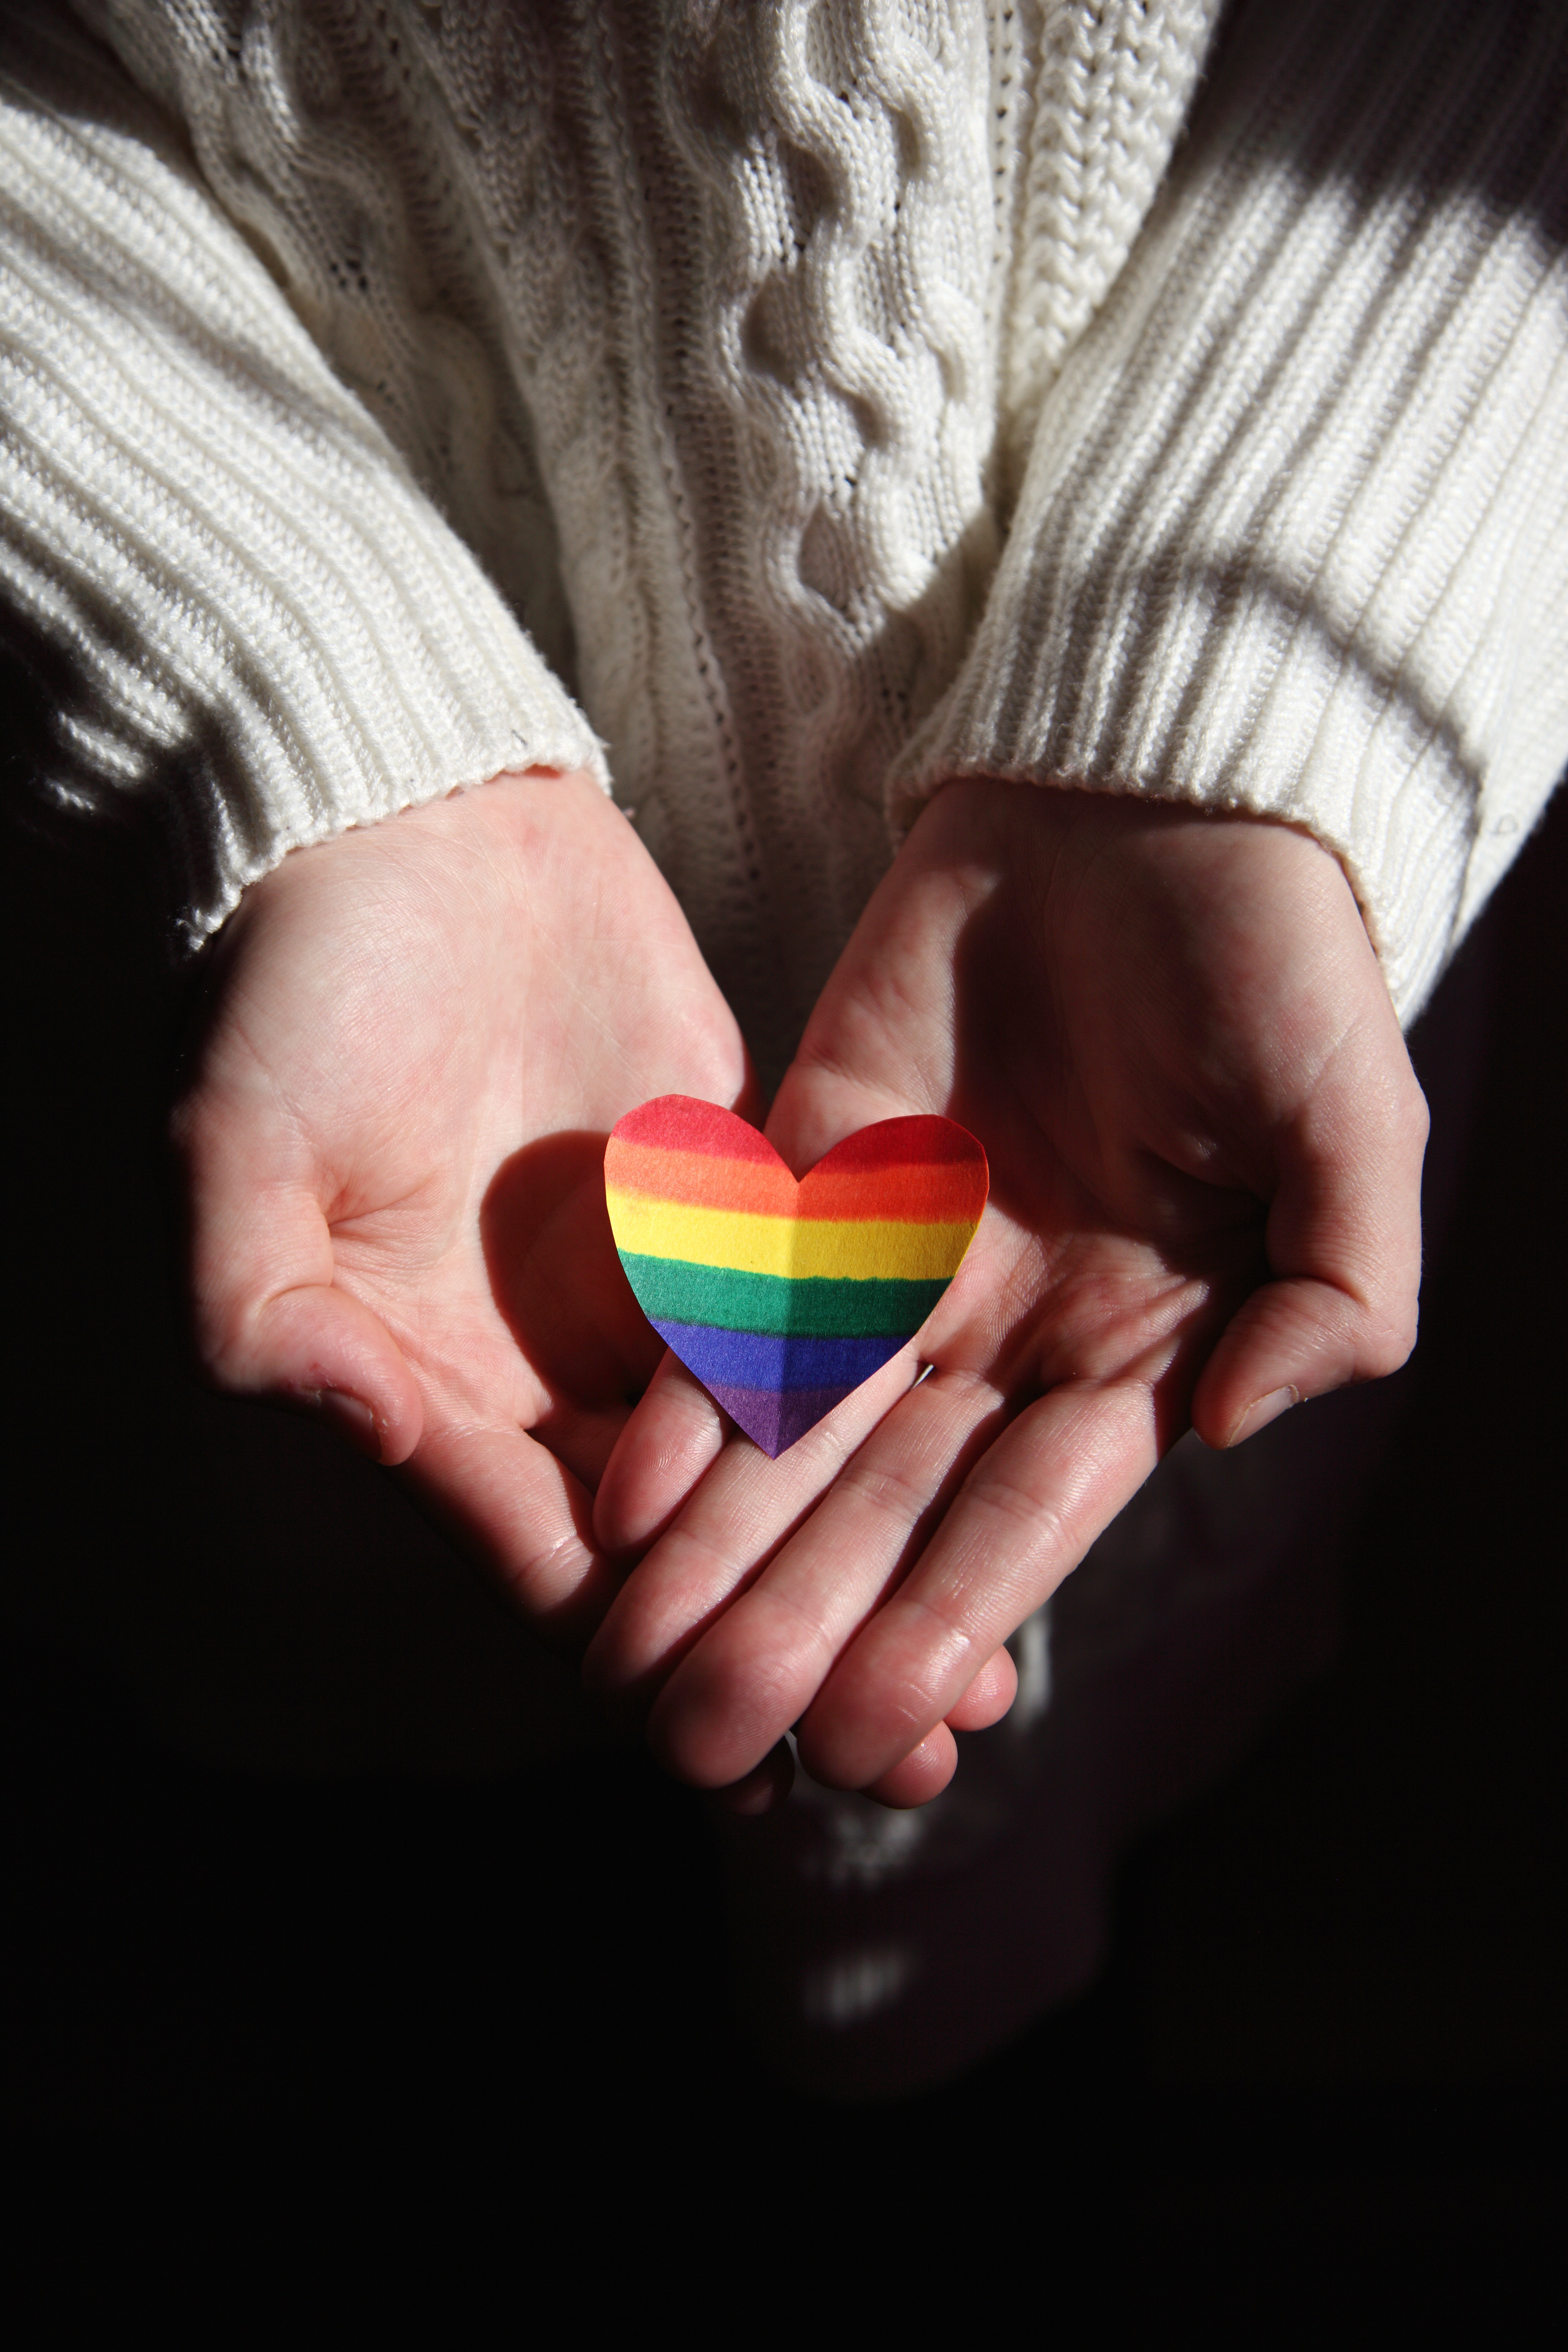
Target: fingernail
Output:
[
  {"x": 1260, "y": 1415},
  {"x": 351, "y": 1418}
]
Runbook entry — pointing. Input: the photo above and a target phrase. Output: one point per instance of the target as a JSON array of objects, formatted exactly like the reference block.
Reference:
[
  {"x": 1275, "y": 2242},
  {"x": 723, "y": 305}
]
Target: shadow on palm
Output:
[
  {"x": 1100, "y": 1256},
  {"x": 559, "y": 1288}
]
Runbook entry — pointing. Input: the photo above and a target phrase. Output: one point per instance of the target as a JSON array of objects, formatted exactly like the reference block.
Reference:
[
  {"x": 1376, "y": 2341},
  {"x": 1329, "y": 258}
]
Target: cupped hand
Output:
[
  {"x": 1171, "y": 1033},
  {"x": 419, "y": 1036}
]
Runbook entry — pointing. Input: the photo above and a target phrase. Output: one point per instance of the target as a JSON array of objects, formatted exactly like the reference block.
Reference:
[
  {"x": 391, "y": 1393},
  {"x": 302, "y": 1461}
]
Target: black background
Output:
[{"x": 1321, "y": 2075}]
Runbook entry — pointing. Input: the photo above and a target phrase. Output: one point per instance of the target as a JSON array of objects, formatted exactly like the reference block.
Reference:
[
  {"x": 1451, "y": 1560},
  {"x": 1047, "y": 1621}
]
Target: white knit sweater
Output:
[{"x": 808, "y": 404}]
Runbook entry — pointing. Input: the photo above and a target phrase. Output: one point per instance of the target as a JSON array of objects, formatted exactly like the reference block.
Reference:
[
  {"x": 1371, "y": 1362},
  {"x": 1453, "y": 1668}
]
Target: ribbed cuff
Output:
[
  {"x": 1294, "y": 535},
  {"x": 268, "y": 633}
]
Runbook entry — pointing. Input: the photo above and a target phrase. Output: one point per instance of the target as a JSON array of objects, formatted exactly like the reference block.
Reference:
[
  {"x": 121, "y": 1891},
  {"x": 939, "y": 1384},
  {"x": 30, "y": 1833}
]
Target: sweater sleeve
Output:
[
  {"x": 1292, "y": 536},
  {"x": 238, "y": 605}
]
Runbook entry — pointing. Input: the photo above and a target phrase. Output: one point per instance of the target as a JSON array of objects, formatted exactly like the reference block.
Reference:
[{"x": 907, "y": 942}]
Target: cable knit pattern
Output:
[
  {"x": 816, "y": 388},
  {"x": 833, "y": 384}
]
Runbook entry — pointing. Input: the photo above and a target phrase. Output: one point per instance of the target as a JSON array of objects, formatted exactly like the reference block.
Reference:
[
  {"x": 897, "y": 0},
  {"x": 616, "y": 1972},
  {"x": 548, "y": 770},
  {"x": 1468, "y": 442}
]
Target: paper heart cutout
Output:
[{"x": 783, "y": 1296}]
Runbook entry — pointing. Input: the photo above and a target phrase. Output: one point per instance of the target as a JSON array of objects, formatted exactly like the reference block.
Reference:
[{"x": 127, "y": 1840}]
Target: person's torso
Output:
[{"x": 716, "y": 330}]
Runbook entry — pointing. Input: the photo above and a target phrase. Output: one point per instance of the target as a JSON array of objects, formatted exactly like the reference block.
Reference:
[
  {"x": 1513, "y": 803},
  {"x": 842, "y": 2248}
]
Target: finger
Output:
[
  {"x": 989, "y": 1695},
  {"x": 584, "y": 1437},
  {"x": 817, "y": 1105},
  {"x": 674, "y": 1434},
  {"x": 760, "y": 1790},
  {"x": 321, "y": 1348},
  {"x": 1343, "y": 1238},
  {"x": 760, "y": 1664},
  {"x": 743, "y": 1509},
  {"x": 268, "y": 1317},
  {"x": 508, "y": 1500},
  {"x": 270, "y": 1320},
  {"x": 921, "y": 1775},
  {"x": 1028, "y": 1513}
]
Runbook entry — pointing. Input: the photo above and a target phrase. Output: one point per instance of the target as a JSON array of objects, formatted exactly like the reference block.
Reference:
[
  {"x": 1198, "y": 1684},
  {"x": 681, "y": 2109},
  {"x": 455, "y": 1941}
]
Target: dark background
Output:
[{"x": 1329, "y": 2042}]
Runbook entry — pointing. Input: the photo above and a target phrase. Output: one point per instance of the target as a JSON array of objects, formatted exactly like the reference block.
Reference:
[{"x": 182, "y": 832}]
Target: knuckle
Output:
[
  {"x": 229, "y": 1339},
  {"x": 1407, "y": 1120},
  {"x": 540, "y": 1574},
  {"x": 1012, "y": 1504},
  {"x": 1390, "y": 1340},
  {"x": 224, "y": 1344},
  {"x": 1418, "y": 1115},
  {"x": 889, "y": 1490}
]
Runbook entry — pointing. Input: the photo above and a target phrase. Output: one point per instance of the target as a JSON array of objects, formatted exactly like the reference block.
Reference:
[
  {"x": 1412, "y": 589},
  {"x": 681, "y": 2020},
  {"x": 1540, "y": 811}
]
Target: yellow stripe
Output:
[{"x": 858, "y": 1250}]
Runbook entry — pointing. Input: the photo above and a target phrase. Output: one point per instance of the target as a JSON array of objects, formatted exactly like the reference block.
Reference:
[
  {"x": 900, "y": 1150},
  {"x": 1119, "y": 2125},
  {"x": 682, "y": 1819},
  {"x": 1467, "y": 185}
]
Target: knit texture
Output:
[
  {"x": 842, "y": 398},
  {"x": 1294, "y": 535},
  {"x": 270, "y": 634}
]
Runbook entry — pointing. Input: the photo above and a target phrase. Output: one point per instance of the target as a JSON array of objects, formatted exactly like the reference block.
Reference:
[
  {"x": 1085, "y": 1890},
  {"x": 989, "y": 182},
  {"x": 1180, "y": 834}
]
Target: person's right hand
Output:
[{"x": 393, "y": 1133}]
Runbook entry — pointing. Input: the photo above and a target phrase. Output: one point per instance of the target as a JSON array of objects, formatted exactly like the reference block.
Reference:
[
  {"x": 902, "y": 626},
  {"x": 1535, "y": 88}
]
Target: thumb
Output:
[
  {"x": 1343, "y": 1239},
  {"x": 817, "y": 1105},
  {"x": 270, "y": 1320}
]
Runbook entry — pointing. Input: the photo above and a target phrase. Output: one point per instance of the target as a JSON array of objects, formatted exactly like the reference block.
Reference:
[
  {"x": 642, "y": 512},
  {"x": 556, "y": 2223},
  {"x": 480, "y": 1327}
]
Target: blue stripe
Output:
[{"x": 757, "y": 1360}]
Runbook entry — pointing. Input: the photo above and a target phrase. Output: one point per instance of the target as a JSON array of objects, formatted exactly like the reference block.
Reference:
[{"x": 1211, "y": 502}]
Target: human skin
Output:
[
  {"x": 1171, "y": 1033},
  {"x": 1168, "y": 1029},
  {"x": 419, "y": 1034},
  {"x": 418, "y": 1038}
]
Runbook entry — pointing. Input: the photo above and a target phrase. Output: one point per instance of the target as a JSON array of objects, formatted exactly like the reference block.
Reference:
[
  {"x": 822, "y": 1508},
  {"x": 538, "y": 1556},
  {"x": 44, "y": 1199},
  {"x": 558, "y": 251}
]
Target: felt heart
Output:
[{"x": 783, "y": 1296}]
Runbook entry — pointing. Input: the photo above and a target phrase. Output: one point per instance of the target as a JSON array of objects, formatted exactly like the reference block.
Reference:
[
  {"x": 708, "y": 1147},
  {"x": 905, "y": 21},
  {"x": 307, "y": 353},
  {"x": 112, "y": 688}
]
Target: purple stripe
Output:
[
  {"x": 775, "y": 1421},
  {"x": 758, "y": 1360}
]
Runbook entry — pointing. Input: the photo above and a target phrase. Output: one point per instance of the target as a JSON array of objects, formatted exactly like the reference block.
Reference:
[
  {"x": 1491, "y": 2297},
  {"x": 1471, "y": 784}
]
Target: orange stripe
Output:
[
  {"x": 700, "y": 1180},
  {"x": 930, "y": 1193}
]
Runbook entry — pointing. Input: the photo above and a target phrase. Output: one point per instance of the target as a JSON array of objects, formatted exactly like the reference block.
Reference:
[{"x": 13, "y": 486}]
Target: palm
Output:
[
  {"x": 1167, "y": 1031},
  {"x": 421, "y": 1035}
]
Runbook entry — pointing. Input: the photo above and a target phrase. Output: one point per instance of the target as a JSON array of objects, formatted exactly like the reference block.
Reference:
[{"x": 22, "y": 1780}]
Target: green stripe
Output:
[{"x": 671, "y": 1291}]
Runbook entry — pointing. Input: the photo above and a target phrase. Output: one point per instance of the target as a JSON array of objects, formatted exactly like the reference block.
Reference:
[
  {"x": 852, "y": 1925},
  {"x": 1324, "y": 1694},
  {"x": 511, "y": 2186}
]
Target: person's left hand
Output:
[{"x": 1172, "y": 1034}]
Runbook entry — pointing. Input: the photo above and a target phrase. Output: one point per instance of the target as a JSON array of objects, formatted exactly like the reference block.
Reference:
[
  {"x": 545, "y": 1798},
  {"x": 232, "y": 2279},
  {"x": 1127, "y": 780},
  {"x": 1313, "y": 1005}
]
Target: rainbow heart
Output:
[{"x": 783, "y": 1296}]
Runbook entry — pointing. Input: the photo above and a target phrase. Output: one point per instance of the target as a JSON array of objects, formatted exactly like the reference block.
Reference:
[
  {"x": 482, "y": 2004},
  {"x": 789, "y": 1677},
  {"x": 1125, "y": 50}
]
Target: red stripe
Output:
[
  {"x": 681, "y": 1123},
  {"x": 925, "y": 1142},
  {"x": 941, "y": 1195},
  {"x": 916, "y": 1171}
]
